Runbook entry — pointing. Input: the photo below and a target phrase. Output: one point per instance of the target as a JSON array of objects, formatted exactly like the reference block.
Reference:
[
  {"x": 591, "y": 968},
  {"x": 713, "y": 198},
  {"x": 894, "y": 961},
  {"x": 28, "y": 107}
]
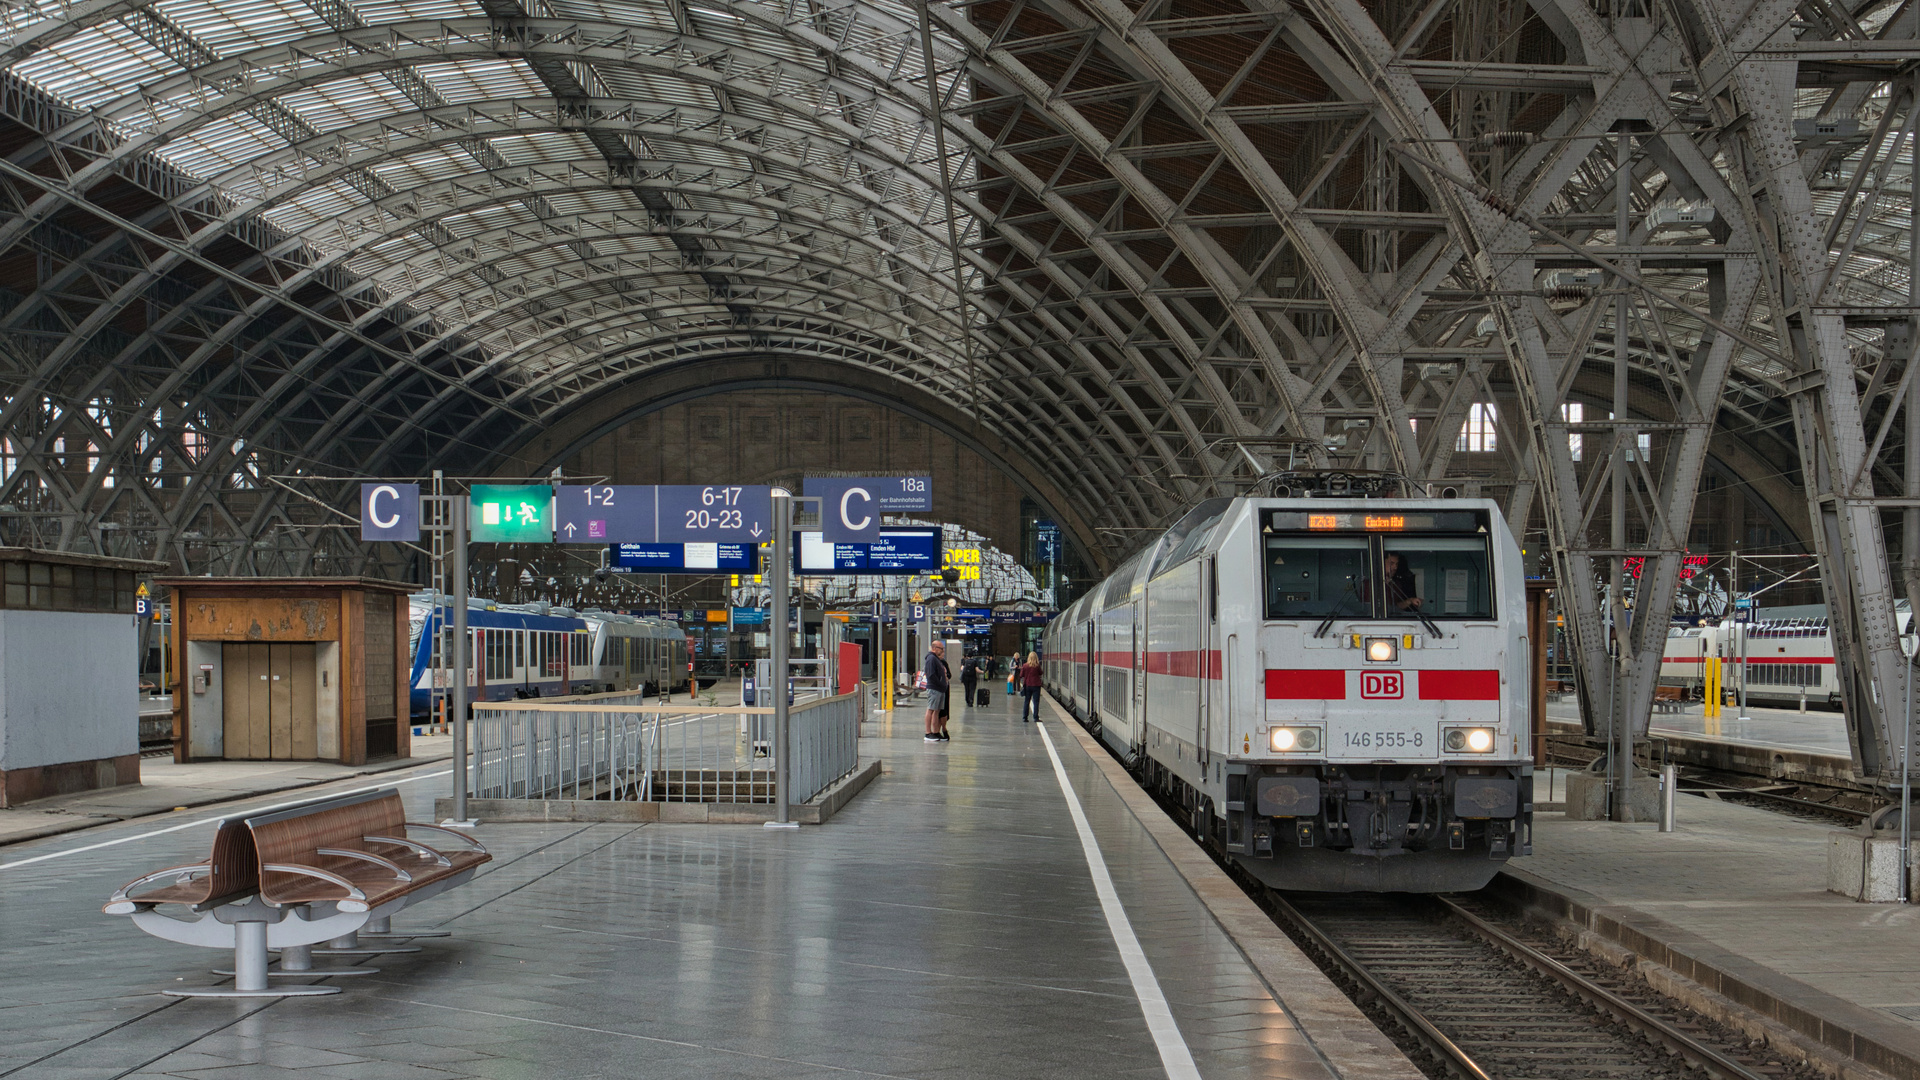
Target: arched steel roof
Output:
[{"x": 252, "y": 250}]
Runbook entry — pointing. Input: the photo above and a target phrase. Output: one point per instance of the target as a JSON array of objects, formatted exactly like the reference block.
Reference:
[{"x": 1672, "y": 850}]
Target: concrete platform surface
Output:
[
  {"x": 1815, "y": 731},
  {"x": 165, "y": 786},
  {"x": 1741, "y": 891},
  {"x": 950, "y": 922}
]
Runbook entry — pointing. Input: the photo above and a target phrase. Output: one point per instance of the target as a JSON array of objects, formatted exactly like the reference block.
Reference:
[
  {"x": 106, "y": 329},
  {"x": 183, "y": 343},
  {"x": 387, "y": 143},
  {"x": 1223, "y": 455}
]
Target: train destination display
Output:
[
  {"x": 897, "y": 551},
  {"x": 679, "y": 558}
]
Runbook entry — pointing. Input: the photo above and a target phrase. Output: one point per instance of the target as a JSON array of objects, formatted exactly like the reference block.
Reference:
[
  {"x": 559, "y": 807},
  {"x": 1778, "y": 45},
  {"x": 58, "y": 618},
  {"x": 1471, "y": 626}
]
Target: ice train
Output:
[{"x": 1333, "y": 690}]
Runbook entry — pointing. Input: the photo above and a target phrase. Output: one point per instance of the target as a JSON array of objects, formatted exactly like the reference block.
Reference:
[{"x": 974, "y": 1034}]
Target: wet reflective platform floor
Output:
[{"x": 947, "y": 923}]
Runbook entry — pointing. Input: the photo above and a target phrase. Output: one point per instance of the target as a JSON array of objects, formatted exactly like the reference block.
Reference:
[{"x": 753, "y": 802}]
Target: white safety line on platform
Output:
[
  {"x": 1174, "y": 1055},
  {"x": 207, "y": 821}
]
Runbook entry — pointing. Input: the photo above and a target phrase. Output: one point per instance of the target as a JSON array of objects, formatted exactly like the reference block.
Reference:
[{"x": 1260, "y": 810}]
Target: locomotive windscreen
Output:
[
  {"x": 1318, "y": 576},
  {"x": 1377, "y": 564}
]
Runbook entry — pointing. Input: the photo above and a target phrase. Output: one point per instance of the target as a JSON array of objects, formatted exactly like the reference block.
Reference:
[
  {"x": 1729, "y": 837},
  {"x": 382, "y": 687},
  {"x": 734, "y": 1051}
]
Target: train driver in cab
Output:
[{"x": 1402, "y": 591}]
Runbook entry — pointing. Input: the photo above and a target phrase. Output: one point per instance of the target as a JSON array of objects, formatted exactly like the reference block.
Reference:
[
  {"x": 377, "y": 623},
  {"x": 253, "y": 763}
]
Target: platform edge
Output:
[
  {"x": 1843, "y": 1027},
  {"x": 1349, "y": 1043}
]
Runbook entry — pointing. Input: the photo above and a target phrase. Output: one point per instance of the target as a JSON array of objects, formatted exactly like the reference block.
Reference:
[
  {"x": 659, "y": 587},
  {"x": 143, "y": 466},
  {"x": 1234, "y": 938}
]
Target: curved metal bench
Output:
[{"x": 295, "y": 878}]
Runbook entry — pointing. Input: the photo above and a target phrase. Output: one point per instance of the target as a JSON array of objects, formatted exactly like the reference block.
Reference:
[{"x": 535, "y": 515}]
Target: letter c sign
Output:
[
  {"x": 848, "y": 510},
  {"x": 389, "y": 511}
]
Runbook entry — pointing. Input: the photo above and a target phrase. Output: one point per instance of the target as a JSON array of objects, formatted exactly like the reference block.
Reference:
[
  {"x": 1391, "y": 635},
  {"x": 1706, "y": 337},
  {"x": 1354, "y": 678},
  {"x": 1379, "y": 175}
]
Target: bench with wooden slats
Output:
[
  {"x": 291, "y": 879},
  {"x": 357, "y": 854},
  {"x": 1669, "y": 699},
  {"x": 230, "y": 874}
]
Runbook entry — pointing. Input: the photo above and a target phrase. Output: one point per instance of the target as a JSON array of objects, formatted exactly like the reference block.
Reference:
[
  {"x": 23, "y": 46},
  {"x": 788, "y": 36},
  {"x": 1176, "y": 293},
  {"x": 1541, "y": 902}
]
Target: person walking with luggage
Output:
[
  {"x": 970, "y": 677},
  {"x": 1029, "y": 675},
  {"x": 939, "y": 684}
]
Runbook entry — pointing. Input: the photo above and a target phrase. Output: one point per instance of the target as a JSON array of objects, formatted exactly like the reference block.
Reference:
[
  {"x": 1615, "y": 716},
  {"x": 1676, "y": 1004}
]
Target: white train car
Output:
[
  {"x": 1324, "y": 724},
  {"x": 1786, "y": 659},
  {"x": 638, "y": 654}
]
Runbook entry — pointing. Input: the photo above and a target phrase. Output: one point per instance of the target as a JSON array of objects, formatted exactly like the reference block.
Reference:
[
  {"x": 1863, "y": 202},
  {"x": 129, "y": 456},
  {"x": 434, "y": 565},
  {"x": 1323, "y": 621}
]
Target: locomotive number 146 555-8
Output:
[{"x": 1385, "y": 740}]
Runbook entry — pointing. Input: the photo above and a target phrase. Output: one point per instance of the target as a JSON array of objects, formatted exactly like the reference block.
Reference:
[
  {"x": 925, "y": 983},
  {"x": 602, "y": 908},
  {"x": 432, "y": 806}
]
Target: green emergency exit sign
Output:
[{"x": 511, "y": 514}]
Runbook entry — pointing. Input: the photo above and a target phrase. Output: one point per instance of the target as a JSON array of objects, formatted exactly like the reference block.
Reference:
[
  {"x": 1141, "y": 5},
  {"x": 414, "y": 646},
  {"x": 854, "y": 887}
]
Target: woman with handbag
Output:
[{"x": 1029, "y": 675}]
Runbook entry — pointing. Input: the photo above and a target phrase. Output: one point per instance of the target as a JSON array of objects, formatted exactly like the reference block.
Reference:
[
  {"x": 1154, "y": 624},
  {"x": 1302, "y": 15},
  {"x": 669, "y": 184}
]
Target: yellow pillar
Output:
[
  {"x": 1713, "y": 696},
  {"x": 886, "y": 681}
]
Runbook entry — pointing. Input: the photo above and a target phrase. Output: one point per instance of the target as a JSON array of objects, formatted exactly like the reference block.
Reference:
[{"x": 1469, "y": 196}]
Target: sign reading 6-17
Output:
[{"x": 693, "y": 513}]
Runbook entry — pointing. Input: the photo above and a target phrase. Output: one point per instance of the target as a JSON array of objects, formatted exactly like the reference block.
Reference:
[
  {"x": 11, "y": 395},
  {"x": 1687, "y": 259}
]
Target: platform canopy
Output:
[{"x": 1136, "y": 253}]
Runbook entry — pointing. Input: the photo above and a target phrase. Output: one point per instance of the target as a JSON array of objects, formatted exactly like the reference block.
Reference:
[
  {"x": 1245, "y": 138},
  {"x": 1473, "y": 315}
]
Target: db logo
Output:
[{"x": 1380, "y": 684}]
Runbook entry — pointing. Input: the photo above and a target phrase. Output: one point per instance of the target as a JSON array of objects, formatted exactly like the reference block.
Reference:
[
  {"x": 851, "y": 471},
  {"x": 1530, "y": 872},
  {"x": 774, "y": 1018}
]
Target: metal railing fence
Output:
[{"x": 616, "y": 746}]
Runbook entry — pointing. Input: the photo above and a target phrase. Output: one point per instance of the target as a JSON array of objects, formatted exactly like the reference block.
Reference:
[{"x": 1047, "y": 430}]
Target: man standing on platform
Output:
[
  {"x": 970, "y": 677},
  {"x": 939, "y": 684}
]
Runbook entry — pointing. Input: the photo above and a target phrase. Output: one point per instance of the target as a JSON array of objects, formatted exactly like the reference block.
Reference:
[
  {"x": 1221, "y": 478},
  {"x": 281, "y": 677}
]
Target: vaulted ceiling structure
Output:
[{"x": 253, "y": 250}]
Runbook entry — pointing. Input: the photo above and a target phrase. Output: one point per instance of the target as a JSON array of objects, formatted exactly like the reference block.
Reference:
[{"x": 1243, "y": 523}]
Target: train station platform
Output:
[
  {"x": 1735, "y": 901},
  {"x": 996, "y": 906}
]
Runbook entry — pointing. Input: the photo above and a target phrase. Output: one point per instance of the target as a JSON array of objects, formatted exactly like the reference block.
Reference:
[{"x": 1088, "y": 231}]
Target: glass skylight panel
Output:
[
  {"x": 635, "y": 85},
  {"x": 233, "y": 27},
  {"x": 96, "y": 66},
  {"x": 340, "y": 103},
  {"x": 534, "y": 147},
  {"x": 483, "y": 80},
  {"x": 426, "y": 165},
  {"x": 382, "y": 12},
  {"x": 649, "y": 14},
  {"x": 224, "y": 152}
]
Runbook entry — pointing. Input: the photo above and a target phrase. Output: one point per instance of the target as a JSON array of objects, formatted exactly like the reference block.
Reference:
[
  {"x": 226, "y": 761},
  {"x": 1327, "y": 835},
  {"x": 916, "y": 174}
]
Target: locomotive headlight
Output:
[
  {"x": 1294, "y": 740},
  {"x": 1382, "y": 650},
  {"x": 1469, "y": 740}
]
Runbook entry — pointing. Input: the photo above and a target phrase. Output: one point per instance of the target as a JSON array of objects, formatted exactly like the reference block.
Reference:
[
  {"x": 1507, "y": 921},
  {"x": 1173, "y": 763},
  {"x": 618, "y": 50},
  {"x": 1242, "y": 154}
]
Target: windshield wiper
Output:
[
  {"x": 1432, "y": 627},
  {"x": 1334, "y": 614}
]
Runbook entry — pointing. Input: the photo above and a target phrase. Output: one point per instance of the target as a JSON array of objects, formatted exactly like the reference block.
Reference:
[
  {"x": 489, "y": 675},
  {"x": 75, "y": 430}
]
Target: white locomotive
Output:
[{"x": 1334, "y": 689}]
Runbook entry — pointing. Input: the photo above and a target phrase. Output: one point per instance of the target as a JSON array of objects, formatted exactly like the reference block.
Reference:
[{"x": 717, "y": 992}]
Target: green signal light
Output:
[{"x": 511, "y": 513}]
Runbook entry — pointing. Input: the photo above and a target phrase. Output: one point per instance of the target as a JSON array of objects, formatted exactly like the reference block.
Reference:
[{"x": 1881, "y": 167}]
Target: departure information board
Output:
[
  {"x": 681, "y": 558},
  {"x": 898, "y": 551}
]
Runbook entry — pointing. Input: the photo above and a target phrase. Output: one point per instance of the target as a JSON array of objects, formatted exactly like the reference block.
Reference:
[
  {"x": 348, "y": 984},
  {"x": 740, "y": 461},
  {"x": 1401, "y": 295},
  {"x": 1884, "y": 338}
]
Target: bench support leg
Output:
[
  {"x": 381, "y": 929},
  {"x": 250, "y": 970},
  {"x": 349, "y": 945},
  {"x": 298, "y": 960}
]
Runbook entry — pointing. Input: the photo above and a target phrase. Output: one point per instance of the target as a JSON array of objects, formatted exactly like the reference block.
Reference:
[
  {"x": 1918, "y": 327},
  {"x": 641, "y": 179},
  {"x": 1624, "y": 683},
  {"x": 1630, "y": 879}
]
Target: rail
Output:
[{"x": 617, "y": 746}]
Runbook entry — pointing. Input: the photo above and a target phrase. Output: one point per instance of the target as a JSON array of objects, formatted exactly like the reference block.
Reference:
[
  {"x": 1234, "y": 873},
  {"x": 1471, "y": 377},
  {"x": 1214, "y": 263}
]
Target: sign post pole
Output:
[
  {"x": 460, "y": 660},
  {"x": 781, "y": 639}
]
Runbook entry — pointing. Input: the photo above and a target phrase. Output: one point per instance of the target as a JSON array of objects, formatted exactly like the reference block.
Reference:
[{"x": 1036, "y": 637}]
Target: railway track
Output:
[{"x": 1475, "y": 999}]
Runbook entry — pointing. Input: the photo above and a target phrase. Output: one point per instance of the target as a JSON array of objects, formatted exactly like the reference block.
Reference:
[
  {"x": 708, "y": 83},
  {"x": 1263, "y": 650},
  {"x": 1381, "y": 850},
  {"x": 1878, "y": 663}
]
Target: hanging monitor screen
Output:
[
  {"x": 680, "y": 558},
  {"x": 898, "y": 551}
]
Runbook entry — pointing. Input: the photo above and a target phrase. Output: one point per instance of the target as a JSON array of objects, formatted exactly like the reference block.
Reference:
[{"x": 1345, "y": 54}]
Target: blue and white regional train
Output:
[
  {"x": 1328, "y": 722},
  {"x": 534, "y": 651}
]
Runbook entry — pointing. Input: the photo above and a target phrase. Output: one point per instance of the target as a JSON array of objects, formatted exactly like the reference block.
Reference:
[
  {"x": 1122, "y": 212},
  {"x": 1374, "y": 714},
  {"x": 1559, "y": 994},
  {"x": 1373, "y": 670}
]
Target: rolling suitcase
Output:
[{"x": 982, "y": 698}]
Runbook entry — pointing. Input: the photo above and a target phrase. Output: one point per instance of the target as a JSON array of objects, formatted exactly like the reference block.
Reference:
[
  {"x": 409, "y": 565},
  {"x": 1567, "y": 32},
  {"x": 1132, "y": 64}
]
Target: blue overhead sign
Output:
[
  {"x": 603, "y": 514},
  {"x": 1046, "y": 543},
  {"x": 680, "y": 558},
  {"x": 894, "y": 551},
  {"x": 849, "y": 509},
  {"x": 749, "y": 616},
  {"x": 672, "y": 514},
  {"x": 389, "y": 511},
  {"x": 850, "y": 506},
  {"x": 738, "y": 513}
]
